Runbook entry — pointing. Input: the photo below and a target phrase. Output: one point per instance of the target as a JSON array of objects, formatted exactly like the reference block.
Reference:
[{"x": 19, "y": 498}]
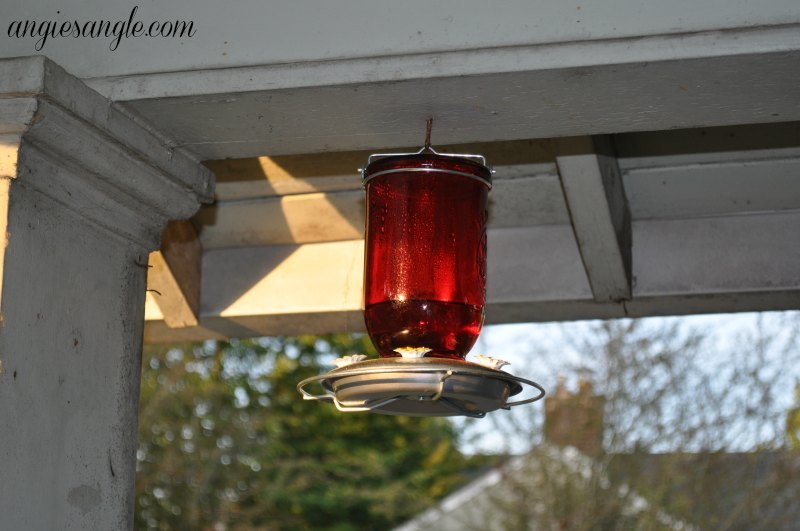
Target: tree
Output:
[
  {"x": 226, "y": 442},
  {"x": 693, "y": 435},
  {"x": 793, "y": 421}
]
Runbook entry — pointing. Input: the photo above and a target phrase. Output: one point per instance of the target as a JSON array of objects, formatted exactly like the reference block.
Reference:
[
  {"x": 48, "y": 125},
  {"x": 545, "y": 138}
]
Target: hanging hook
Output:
[{"x": 428, "y": 128}]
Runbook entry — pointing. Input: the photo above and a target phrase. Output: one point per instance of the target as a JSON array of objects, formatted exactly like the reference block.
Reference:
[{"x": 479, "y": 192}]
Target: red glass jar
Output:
[{"x": 425, "y": 263}]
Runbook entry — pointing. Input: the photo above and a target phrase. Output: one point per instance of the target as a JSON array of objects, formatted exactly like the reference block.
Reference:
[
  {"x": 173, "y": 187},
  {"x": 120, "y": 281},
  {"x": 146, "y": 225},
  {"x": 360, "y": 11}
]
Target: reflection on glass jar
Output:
[{"x": 425, "y": 268}]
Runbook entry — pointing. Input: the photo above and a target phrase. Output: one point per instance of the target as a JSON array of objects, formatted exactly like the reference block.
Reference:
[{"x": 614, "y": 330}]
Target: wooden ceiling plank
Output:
[{"x": 173, "y": 279}]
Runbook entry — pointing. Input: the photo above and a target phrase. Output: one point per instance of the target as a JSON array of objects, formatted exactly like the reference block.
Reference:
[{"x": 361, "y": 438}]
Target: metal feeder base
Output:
[{"x": 422, "y": 387}]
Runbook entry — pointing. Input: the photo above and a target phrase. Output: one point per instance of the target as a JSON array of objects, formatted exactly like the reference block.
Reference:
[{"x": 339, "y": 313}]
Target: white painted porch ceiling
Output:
[
  {"x": 715, "y": 224},
  {"x": 700, "y": 100}
]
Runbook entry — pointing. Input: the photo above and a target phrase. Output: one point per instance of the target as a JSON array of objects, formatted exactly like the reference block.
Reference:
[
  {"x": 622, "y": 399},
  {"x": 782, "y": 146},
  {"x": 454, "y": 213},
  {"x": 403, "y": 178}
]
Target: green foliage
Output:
[{"x": 226, "y": 442}]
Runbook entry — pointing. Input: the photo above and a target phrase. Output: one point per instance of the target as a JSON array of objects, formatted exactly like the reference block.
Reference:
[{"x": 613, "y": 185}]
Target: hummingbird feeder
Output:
[{"x": 424, "y": 293}]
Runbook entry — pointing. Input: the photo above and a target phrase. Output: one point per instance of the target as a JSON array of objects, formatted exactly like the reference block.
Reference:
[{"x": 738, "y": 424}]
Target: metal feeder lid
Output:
[
  {"x": 428, "y": 160},
  {"x": 426, "y": 387}
]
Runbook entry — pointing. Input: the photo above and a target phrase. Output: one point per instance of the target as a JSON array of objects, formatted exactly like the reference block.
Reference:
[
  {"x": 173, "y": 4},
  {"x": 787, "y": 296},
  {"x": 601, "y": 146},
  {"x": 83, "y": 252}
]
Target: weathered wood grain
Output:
[{"x": 173, "y": 279}]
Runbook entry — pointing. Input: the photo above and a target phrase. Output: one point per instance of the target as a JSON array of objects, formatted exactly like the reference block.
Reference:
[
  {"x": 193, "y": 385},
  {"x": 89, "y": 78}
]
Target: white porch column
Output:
[{"x": 85, "y": 191}]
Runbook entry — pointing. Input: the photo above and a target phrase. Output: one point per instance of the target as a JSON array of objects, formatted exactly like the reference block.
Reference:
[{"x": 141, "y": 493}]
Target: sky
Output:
[{"x": 538, "y": 351}]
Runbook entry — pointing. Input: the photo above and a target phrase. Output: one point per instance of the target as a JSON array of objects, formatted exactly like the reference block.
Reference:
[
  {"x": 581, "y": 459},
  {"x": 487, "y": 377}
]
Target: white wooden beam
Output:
[
  {"x": 707, "y": 145},
  {"x": 303, "y": 218},
  {"x": 316, "y": 198},
  {"x": 320, "y": 217},
  {"x": 272, "y": 32},
  {"x": 259, "y": 177},
  {"x": 668, "y": 174},
  {"x": 713, "y": 189},
  {"x": 599, "y": 214},
  {"x": 275, "y": 176},
  {"x": 316, "y": 288},
  {"x": 732, "y": 254},
  {"x": 277, "y": 285},
  {"x": 734, "y": 263},
  {"x": 657, "y": 82},
  {"x": 173, "y": 278}
]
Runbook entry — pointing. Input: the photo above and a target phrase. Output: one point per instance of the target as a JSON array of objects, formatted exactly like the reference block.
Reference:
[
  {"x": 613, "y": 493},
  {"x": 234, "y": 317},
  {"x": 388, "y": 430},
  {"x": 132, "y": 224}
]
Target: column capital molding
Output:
[{"x": 94, "y": 156}]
